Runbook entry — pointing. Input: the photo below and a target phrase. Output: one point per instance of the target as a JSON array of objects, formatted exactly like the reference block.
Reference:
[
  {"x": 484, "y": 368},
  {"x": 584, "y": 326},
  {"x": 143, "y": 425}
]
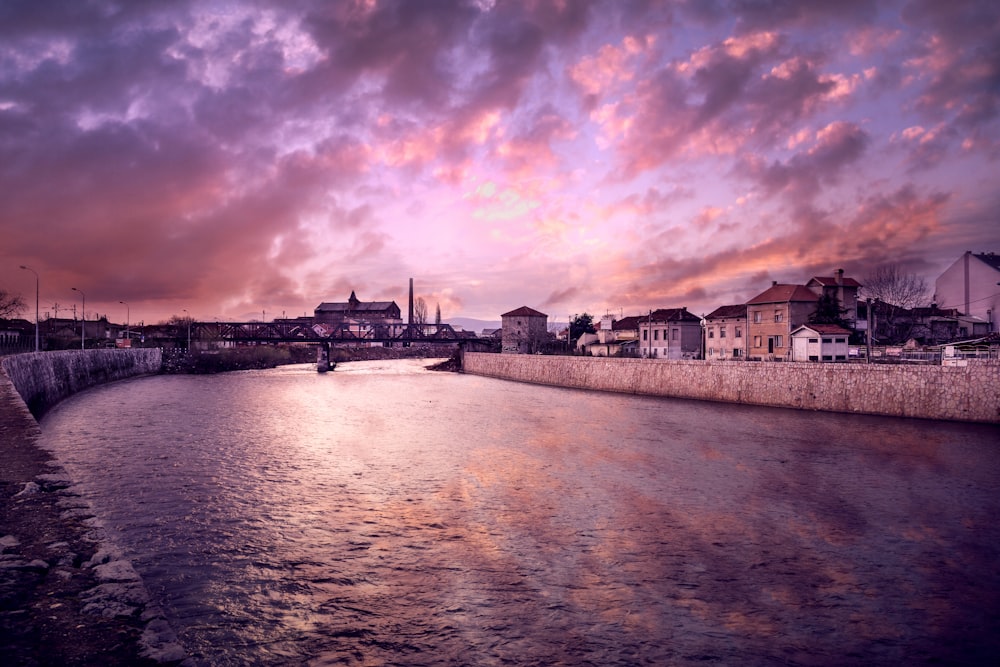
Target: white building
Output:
[
  {"x": 972, "y": 285},
  {"x": 820, "y": 342}
]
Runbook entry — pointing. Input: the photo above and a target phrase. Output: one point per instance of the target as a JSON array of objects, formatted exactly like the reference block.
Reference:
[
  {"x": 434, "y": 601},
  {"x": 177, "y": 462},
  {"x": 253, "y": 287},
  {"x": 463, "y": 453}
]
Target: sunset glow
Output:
[{"x": 234, "y": 159}]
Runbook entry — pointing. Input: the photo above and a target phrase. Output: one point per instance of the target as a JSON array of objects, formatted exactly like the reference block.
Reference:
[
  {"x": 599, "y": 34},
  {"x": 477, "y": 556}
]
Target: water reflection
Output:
[{"x": 385, "y": 515}]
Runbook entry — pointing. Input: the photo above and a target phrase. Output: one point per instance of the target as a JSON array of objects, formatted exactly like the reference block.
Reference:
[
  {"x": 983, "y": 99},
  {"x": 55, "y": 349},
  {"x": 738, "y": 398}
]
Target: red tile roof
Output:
[
  {"x": 784, "y": 294},
  {"x": 736, "y": 310},
  {"x": 524, "y": 311},
  {"x": 832, "y": 280}
]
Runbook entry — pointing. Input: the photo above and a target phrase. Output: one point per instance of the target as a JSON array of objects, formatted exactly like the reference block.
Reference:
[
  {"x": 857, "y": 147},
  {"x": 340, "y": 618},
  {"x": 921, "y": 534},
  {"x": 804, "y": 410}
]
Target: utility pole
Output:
[{"x": 868, "y": 332}]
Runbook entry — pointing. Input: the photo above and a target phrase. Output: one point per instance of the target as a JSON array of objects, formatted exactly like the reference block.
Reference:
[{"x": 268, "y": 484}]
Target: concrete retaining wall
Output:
[
  {"x": 969, "y": 393},
  {"x": 45, "y": 378}
]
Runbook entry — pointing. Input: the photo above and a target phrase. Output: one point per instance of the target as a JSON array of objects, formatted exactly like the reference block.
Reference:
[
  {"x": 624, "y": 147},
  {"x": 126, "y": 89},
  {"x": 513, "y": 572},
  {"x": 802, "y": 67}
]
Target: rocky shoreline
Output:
[{"x": 65, "y": 599}]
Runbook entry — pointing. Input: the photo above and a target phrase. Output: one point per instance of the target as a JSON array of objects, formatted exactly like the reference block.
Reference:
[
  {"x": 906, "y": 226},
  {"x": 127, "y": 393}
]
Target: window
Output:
[
  {"x": 756, "y": 341},
  {"x": 757, "y": 317},
  {"x": 711, "y": 334},
  {"x": 737, "y": 352},
  {"x": 841, "y": 340},
  {"x": 827, "y": 341},
  {"x": 813, "y": 357},
  {"x": 814, "y": 340},
  {"x": 656, "y": 334},
  {"x": 673, "y": 334},
  {"x": 778, "y": 341},
  {"x": 779, "y": 316},
  {"x": 722, "y": 332},
  {"x": 645, "y": 334},
  {"x": 739, "y": 332},
  {"x": 827, "y": 357}
]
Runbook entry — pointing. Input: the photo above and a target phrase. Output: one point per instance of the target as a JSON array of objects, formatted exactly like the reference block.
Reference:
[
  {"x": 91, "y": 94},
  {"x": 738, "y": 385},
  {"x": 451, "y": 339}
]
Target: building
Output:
[
  {"x": 772, "y": 315},
  {"x": 355, "y": 311},
  {"x": 724, "y": 332},
  {"x": 843, "y": 290},
  {"x": 820, "y": 342},
  {"x": 972, "y": 285},
  {"x": 525, "y": 330},
  {"x": 670, "y": 333}
]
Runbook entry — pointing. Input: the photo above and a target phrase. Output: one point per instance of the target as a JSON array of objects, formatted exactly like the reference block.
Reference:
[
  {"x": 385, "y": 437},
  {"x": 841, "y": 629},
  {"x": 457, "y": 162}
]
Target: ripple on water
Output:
[{"x": 385, "y": 515}]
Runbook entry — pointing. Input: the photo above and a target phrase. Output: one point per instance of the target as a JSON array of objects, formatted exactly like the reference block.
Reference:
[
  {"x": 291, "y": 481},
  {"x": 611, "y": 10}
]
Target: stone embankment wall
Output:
[
  {"x": 968, "y": 393},
  {"x": 45, "y": 378}
]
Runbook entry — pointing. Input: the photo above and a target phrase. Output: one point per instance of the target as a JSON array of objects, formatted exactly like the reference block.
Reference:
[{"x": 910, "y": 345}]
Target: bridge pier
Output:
[{"x": 323, "y": 357}]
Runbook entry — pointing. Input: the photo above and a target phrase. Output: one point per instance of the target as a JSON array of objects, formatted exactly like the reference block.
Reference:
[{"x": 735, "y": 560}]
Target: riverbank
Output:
[
  {"x": 60, "y": 602},
  {"x": 66, "y": 598},
  {"x": 965, "y": 393}
]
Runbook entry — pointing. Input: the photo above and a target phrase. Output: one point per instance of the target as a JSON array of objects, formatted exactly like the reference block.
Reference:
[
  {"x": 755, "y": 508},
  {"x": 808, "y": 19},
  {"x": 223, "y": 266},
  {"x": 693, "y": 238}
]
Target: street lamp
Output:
[
  {"x": 128, "y": 317},
  {"x": 28, "y": 268},
  {"x": 189, "y": 328},
  {"x": 83, "y": 319}
]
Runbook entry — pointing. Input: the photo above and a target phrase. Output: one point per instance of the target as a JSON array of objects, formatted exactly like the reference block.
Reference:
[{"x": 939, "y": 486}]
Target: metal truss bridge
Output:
[{"x": 323, "y": 333}]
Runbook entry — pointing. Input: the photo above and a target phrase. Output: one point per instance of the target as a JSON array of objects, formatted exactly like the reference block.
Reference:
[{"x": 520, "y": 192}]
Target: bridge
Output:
[{"x": 325, "y": 335}]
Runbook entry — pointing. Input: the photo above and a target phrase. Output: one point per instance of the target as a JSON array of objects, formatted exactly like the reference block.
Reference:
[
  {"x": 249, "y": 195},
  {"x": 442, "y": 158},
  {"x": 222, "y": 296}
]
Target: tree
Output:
[
  {"x": 419, "y": 311},
  {"x": 828, "y": 311},
  {"x": 579, "y": 325},
  {"x": 11, "y": 305},
  {"x": 895, "y": 293},
  {"x": 437, "y": 315}
]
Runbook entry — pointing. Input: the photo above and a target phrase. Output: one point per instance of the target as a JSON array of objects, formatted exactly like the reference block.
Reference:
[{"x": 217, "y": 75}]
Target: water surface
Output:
[{"x": 383, "y": 514}]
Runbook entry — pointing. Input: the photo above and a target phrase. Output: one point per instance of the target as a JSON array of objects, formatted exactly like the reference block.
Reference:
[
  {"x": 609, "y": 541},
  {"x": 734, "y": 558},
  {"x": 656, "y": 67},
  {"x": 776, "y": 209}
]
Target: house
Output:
[
  {"x": 524, "y": 331},
  {"x": 724, "y": 332},
  {"x": 842, "y": 290},
  {"x": 670, "y": 333},
  {"x": 972, "y": 285},
  {"x": 820, "y": 342},
  {"x": 772, "y": 315},
  {"x": 613, "y": 338},
  {"x": 355, "y": 311},
  {"x": 934, "y": 325}
]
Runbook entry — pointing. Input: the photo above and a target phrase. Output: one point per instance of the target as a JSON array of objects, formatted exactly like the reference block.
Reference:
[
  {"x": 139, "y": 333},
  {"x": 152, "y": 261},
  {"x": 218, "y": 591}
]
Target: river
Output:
[{"x": 384, "y": 514}]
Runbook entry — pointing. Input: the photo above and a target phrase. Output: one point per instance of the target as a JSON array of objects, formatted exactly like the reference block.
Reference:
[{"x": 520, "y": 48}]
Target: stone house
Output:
[
  {"x": 524, "y": 331},
  {"x": 725, "y": 329},
  {"x": 670, "y": 333},
  {"x": 820, "y": 342},
  {"x": 970, "y": 284},
  {"x": 772, "y": 315}
]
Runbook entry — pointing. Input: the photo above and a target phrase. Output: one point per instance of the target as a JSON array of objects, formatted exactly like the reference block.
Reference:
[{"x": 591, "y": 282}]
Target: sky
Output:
[{"x": 237, "y": 160}]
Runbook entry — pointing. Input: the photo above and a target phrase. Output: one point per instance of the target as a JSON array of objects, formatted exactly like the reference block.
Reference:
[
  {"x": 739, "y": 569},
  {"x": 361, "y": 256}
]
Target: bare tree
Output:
[
  {"x": 894, "y": 294},
  {"x": 11, "y": 305},
  {"x": 437, "y": 315},
  {"x": 419, "y": 311}
]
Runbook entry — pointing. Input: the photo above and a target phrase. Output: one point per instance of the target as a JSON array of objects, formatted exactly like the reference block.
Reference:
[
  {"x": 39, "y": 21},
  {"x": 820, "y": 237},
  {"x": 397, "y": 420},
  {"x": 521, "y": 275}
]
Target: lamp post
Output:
[
  {"x": 128, "y": 317},
  {"x": 28, "y": 268},
  {"x": 83, "y": 319},
  {"x": 189, "y": 329}
]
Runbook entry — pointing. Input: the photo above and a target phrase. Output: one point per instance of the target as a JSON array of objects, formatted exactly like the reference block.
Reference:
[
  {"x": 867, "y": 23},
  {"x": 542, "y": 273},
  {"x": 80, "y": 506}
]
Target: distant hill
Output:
[{"x": 470, "y": 324}]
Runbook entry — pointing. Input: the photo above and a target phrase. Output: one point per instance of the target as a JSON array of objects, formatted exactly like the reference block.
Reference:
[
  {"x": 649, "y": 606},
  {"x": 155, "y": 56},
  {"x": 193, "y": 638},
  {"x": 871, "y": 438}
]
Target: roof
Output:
[
  {"x": 989, "y": 258},
  {"x": 630, "y": 323},
  {"x": 736, "y": 310},
  {"x": 671, "y": 315},
  {"x": 524, "y": 311},
  {"x": 783, "y": 294},
  {"x": 831, "y": 280},
  {"x": 824, "y": 329},
  {"x": 355, "y": 307}
]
